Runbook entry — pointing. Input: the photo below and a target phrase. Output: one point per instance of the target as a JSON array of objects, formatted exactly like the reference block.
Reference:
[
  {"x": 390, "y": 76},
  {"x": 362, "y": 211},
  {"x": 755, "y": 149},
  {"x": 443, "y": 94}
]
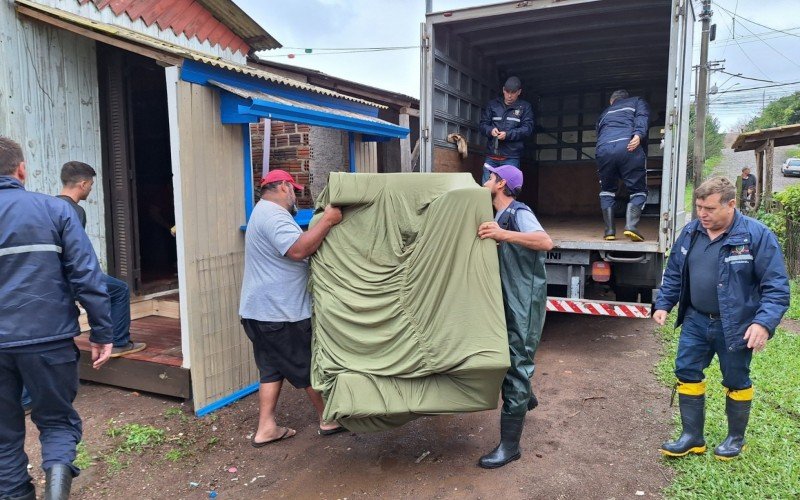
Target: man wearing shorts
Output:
[{"x": 275, "y": 304}]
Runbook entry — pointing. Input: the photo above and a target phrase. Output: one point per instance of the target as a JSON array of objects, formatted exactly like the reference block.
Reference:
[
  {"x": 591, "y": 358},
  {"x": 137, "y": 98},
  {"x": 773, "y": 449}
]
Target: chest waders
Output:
[{"x": 524, "y": 284}]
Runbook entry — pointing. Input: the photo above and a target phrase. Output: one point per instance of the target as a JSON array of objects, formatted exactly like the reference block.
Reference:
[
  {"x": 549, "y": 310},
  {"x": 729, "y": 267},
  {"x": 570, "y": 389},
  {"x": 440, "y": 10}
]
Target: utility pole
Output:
[{"x": 701, "y": 102}]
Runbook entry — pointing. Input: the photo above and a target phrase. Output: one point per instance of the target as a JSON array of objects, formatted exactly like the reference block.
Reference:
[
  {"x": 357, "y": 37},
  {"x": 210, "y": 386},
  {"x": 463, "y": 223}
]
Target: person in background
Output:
[
  {"x": 522, "y": 244},
  {"x": 77, "y": 180},
  {"x": 622, "y": 153},
  {"x": 46, "y": 261},
  {"x": 506, "y": 122}
]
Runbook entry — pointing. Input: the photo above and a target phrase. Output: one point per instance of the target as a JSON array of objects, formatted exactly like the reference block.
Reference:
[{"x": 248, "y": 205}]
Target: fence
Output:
[{"x": 791, "y": 248}]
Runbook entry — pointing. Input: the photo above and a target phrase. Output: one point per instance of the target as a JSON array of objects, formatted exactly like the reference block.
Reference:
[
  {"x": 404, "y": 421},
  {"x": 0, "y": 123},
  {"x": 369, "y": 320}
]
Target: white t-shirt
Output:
[{"x": 274, "y": 287}]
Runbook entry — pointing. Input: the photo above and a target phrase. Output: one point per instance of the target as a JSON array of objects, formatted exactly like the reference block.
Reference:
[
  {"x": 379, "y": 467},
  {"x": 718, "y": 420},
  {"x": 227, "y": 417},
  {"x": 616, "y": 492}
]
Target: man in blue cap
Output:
[
  {"x": 506, "y": 122},
  {"x": 521, "y": 246}
]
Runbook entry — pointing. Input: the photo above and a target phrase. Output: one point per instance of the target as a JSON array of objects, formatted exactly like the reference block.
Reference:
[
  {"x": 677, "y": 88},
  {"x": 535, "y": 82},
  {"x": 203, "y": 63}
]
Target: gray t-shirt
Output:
[
  {"x": 274, "y": 287},
  {"x": 526, "y": 221},
  {"x": 703, "y": 262}
]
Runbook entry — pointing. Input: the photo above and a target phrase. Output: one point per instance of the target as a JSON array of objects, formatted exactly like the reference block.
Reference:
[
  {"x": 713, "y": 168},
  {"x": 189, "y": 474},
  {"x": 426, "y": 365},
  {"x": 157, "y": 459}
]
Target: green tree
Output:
[
  {"x": 784, "y": 111},
  {"x": 714, "y": 139}
]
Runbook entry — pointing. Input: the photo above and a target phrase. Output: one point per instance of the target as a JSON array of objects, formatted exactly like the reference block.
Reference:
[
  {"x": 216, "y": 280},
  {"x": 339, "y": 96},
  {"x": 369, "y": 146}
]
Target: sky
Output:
[{"x": 757, "y": 52}]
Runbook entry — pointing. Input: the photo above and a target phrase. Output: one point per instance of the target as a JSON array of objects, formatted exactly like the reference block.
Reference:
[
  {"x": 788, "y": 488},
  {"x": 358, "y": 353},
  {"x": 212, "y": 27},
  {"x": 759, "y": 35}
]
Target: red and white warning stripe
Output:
[{"x": 583, "y": 306}]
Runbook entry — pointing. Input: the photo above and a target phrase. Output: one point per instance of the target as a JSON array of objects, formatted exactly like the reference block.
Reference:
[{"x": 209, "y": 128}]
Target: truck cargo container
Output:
[{"x": 571, "y": 55}]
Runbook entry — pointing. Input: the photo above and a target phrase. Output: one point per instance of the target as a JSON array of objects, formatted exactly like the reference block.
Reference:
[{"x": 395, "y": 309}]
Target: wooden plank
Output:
[
  {"x": 768, "y": 166},
  {"x": 139, "y": 375},
  {"x": 167, "y": 308}
]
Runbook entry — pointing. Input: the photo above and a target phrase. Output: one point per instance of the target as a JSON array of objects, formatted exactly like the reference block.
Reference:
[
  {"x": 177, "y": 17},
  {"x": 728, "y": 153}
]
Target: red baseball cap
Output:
[{"x": 278, "y": 176}]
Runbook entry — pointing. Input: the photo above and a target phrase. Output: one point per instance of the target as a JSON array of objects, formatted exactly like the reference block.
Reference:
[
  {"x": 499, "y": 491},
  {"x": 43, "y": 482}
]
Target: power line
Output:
[
  {"x": 765, "y": 43},
  {"x": 335, "y": 52},
  {"x": 746, "y": 54},
  {"x": 756, "y": 23},
  {"x": 739, "y": 75}
]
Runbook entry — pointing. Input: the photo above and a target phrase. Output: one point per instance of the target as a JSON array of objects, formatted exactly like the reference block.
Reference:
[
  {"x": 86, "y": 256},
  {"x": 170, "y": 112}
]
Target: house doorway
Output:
[{"x": 137, "y": 171}]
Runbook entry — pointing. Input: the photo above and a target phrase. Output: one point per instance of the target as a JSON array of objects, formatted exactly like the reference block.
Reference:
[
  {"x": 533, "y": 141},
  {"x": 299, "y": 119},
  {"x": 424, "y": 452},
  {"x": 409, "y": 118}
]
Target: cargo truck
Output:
[{"x": 571, "y": 55}]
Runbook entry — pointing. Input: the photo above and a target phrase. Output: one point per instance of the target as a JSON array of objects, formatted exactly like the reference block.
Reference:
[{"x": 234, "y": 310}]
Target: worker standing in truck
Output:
[
  {"x": 521, "y": 246},
  {"x": 621, "y": 153},
  {"x": 506, "y": 122}
]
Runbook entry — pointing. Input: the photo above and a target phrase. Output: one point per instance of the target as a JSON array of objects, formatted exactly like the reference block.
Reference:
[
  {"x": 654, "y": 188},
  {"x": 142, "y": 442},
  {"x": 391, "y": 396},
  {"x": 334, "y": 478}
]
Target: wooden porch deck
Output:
[{"x": 155, "y": 369}]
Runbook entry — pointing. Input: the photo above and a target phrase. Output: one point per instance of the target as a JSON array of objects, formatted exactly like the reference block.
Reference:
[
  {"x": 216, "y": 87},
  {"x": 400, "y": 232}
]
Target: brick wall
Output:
[
  {"x": 308, "y": 153},
  {"x": 289, "y": 150}
]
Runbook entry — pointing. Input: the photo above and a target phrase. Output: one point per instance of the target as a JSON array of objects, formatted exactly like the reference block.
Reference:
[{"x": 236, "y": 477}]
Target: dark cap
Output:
[{"x": 512, "y": 84}]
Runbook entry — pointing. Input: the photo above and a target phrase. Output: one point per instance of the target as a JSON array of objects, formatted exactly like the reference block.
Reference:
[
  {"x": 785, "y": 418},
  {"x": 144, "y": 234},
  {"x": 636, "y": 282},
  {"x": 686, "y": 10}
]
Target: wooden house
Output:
[{"x": 158, "y": 97}]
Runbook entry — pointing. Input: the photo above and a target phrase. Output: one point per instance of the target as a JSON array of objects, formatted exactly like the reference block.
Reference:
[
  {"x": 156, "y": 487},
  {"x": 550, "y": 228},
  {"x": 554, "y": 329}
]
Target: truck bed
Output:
[{"x": 586, "y": 233}]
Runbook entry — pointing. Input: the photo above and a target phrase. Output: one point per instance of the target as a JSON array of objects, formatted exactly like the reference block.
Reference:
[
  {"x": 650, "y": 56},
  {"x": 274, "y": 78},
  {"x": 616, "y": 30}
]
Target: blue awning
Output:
[{"x": 241, "y": 105}]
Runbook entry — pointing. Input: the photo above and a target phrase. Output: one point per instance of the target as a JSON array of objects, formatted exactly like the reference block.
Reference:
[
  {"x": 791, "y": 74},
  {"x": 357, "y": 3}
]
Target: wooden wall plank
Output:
[
  {"x": 49, "y": 104},
  {"x": 212, "y": 184}
]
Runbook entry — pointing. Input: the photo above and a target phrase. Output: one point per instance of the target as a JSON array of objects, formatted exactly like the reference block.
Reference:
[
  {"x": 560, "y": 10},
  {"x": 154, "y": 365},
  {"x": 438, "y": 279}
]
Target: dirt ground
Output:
[{"x": 595, "y": 435}]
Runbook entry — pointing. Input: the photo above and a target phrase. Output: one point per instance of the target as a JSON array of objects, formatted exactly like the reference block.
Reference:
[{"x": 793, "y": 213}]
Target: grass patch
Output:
[
  {"x": 710, "y": 165},
  {"x": 83, "y": 459},
  {"x": 794, "y": 301},
  {"x": 172, "y": 412},
  {"x": 793, "y": 153},
  {"x": 175, "y": 455},
  {"x": 770, "y": 467}
]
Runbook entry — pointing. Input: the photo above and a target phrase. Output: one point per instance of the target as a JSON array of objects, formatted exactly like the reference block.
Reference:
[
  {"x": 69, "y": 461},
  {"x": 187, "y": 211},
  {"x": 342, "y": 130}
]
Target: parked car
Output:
[{"x": 791, "y": 167}]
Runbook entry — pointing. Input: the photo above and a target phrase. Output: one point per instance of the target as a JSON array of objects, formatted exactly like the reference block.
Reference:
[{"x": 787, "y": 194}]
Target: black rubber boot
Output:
[
  {"x": 58, "y": 482},
  {"x": 738, "y": 415},
  {"x": 693, "y": 418},
  {"x": 608, "y": 219},
  {"x": 632, "y": 216},
  {"x": 508, "y": 449},
  {"x": 533, "y": 402}
]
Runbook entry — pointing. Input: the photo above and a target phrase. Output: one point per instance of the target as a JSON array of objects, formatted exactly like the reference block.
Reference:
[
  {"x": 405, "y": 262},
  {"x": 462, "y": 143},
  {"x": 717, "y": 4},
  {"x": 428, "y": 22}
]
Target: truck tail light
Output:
[{"x": 601, "y": 271}]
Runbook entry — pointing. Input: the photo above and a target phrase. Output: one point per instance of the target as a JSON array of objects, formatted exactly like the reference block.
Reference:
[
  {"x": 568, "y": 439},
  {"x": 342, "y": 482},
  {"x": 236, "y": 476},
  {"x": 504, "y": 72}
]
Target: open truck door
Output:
[{"x": 676, "y": 131}]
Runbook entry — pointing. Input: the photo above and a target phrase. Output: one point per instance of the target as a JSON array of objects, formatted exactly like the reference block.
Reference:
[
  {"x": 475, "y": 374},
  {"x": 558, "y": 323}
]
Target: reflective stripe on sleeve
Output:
[{"x": 29, "y": 249}]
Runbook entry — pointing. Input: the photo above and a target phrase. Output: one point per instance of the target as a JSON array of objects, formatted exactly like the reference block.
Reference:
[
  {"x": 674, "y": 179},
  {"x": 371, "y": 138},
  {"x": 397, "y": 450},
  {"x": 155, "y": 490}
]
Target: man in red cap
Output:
[{"x": 275, "y": 305}]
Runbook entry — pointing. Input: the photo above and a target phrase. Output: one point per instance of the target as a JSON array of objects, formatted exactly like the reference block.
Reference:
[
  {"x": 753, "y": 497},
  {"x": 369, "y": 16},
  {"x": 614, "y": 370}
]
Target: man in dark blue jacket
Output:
[
  {"x": 622, "y": 153},
  {"x": 727, "y": 276},
  {"x": 46, "y": 259},
  {"x": 506, "y": 122}
]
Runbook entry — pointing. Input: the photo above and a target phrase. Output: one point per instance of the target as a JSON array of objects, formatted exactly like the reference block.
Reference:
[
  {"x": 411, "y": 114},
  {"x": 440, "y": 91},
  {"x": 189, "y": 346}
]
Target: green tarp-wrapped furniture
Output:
[{"x": 408, "y": 311}]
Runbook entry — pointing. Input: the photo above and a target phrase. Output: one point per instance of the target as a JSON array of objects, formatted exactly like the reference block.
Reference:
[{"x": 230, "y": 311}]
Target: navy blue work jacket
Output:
[
  {"x": 752, "y": 286},
  {"x": 46, "y": 260},
  {"x": 515, "y": 120},
  {"x": 623, "y": 119}
]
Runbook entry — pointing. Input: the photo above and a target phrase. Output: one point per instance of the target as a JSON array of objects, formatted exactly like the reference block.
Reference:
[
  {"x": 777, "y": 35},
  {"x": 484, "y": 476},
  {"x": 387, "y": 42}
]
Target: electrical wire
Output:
[
  {"x": 767, "y": 44},
  {"x": 739, "y": 75},
  {"x": 756, "y": 23}
]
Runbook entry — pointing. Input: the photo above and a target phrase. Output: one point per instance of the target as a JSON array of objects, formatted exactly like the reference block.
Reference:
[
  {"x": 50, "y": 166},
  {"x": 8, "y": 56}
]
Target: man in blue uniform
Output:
[
  {"x": 726, "y": 274},
  {"x": 46, "y": 260},
  {"x": 506, "y": 122},
  {"x": 621, "y": 153},
  {"x": 522, "y": 244}
]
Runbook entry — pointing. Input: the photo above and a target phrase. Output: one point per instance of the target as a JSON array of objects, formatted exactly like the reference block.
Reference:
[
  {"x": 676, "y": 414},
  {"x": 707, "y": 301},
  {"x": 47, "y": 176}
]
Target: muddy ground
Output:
[{"x": 595, "y": 435}]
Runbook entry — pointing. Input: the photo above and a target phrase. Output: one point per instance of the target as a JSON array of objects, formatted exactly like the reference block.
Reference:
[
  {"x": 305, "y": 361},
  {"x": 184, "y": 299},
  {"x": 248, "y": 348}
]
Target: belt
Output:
[{"x": 712, "y": 317}]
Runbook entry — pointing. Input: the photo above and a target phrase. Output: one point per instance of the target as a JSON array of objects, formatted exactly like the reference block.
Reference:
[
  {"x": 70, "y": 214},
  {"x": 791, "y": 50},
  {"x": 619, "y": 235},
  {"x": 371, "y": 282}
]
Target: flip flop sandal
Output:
[{"x": 283, "y": 436}]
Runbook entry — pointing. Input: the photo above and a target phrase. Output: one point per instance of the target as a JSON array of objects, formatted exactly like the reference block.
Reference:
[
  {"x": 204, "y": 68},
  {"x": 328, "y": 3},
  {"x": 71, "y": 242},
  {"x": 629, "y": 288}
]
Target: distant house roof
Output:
[
  {"x": 175, "y": 52},
  {"x": 782, "y": 136},
  {"x": 216, "y": 21},
  {"x": 350, "y": 87}
]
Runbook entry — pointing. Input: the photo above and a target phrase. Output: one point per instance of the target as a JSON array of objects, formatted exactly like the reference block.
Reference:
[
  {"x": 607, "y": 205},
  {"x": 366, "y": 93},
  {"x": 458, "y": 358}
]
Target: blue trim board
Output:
[
  {"x": 351, "y": 150},
  {"x": 216, "y": 405},
  {"x": 248, "y": 172},
  {"x": 196, "y": 72}
]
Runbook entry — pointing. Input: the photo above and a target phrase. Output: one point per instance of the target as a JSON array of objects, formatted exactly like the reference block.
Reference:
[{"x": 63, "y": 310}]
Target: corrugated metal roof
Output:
[
  {"x": 250, "y": 94},
  {"x": 216, "y": 21},
  {"x": 186, "y": 53},
  {"x": 785, "y": 135}
]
